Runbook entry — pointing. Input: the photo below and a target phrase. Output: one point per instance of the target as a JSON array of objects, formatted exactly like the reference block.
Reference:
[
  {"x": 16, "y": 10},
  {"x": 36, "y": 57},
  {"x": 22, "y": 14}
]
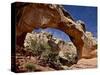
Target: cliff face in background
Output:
[{"x": 32, "y": 16}]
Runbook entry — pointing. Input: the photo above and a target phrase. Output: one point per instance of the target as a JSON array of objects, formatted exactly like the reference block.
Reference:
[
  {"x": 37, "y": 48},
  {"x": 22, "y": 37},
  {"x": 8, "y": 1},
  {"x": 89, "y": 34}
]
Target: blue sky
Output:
[
  {"x": 86, "y": 14},
  {"x": 56, "y": 33}
]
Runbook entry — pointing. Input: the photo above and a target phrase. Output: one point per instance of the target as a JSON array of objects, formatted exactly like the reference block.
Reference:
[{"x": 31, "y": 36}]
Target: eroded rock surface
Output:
[{"x": 85, "y": 64}]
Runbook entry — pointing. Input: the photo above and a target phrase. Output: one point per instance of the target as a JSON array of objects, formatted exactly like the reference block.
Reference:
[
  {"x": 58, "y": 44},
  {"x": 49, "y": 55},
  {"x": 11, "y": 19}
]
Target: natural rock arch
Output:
[{"x": 31, "y": 16}]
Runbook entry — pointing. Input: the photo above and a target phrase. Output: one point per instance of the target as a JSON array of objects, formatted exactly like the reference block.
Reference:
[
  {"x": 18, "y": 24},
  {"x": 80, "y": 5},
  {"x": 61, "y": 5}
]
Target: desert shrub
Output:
[
  {"x": 38, "y": 47},
  {"x": 70, "y": 57},
  {"x": 45, "y": 46},
  {"x": 42, "y": 49},
  {"x": 45, "y": 54},
  {"x": 30, "y": 66},
  {"x": 35, "y": 47}
]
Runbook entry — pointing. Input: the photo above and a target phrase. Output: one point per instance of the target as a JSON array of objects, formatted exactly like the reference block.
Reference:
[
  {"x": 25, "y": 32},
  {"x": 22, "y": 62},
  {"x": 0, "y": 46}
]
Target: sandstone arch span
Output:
[{"x": 32, "y": 16}]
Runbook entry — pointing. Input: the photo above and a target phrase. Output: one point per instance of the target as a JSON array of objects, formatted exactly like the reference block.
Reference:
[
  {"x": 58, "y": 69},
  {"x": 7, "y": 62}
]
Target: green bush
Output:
[
  {"x": 70, "y": 56},
  {"x": 35, "y": 47},
  {"x": 43, "y": 50},
  {"x": 30, "y": 66}
]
